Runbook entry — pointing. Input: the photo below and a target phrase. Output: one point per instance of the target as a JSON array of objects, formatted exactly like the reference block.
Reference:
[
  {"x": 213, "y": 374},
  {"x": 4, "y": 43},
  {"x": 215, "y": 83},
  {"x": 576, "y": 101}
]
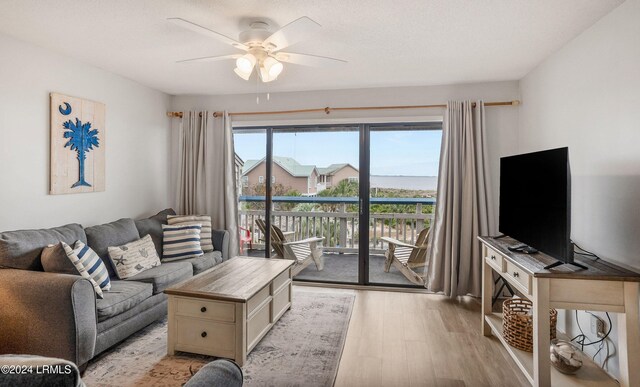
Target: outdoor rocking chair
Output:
[
  {"x": 302, "y": 251},
  {"x": 406, "y": 257}
]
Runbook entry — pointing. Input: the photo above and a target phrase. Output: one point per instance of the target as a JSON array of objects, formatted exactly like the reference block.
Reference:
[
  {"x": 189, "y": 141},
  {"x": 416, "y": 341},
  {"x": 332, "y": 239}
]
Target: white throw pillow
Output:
[
  {"x": 134, "y": 257},
  {"x": 89, "y": 265}
]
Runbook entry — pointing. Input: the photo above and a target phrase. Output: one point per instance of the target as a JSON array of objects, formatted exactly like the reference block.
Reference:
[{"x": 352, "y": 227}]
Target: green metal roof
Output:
[
  {"x": 293, "y": 167},
  {"x": 287, "y": 163},
  {"x": 249, "y": 164},
  {"x": 331, "y": 169}
]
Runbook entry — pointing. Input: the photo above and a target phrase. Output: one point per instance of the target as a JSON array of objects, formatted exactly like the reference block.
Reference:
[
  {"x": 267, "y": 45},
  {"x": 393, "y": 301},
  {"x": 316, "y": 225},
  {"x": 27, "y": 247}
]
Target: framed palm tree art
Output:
[{"x": 77, "y": 145}]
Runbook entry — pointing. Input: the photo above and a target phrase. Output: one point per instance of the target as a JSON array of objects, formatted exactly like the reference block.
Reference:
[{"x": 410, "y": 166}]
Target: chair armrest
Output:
[
  {"x": 220, "y": 240},
  {"x": 47, "y": 314},
  {"x": 396, "y": 242},
  {"x": 220, "y": 372},
  {"x": 303, "y": 241},
  {"x": 287, "y": 233}
]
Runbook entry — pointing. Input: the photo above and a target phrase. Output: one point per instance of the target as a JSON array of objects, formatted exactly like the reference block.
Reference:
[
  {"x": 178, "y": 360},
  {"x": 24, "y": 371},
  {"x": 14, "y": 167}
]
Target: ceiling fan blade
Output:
[
  {"x": 297, "y": 30},
  {"x": 308, "y": 59},
  {"x": 207, "y": 32},
  {"x": 210, "y": 58}
]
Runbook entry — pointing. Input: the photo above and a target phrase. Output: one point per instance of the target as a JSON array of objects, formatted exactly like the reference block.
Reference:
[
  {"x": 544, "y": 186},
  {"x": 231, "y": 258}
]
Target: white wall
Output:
[
  {"x": 501, "y": 121},
  {"x": 137, "y": 141},
  {"x": 587, "y": 96}
]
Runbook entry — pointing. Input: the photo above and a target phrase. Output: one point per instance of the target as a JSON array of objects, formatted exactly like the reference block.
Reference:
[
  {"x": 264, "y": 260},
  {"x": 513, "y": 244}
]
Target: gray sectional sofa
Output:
[{"x": 58, "y": 315}]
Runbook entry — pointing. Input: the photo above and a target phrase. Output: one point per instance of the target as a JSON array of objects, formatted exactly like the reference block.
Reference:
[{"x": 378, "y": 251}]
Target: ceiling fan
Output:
[{"x": 262, "y": 47}]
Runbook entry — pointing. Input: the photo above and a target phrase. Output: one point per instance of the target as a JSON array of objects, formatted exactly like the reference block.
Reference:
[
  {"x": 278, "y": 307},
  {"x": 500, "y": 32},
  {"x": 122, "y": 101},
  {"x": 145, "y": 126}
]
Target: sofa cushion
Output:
[
  {"x": 205, "y": 262},
  {"x": 115, "y": 233},
  {"x": 165, "y": 275},
  {"x": 153, "y": 226},
  {"x": 123, "y": 296},
  {"x": 134, "y": 257},
  {"x": 54, "y": 260},
  {"x": 21, "y": 249}
]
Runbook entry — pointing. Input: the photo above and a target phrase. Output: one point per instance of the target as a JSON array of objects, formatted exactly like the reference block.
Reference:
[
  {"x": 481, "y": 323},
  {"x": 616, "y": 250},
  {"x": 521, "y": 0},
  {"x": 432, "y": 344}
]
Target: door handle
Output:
[{"x": 361, "y": 206}]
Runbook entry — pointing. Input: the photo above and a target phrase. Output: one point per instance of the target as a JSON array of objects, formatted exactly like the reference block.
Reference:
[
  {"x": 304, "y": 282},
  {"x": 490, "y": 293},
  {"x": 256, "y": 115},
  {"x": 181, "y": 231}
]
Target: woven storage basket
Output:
[{"x": 517, "y": 323}]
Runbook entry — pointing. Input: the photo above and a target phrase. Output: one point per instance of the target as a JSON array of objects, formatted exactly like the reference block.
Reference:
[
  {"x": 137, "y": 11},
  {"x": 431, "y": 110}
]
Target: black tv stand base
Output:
[{"x": 558, "y": 263}]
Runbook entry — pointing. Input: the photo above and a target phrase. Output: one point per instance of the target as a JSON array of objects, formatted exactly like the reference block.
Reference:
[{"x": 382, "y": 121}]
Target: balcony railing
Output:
[{"x": 338, "y": 222}]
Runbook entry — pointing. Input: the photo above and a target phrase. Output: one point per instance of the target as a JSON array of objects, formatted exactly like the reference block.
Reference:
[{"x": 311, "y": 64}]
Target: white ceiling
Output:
[{"x": 387, "y": 42}]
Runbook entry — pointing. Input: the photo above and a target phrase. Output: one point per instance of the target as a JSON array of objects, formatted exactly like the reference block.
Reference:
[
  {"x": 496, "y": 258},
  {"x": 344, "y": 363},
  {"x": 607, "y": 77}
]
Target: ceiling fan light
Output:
[
  {"x": 273, "y": 67},
  {"x": 245, "y": 63},
  {"x": 264, "y": 75},
  {"x": 242, "y": 74}
]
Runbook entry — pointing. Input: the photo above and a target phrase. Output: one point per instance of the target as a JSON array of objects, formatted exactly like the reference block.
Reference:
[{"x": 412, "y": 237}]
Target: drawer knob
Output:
[
  {"x": 516, "y": 274},
  {"x": 203, "y": 309},
  {"x": 203, "y": 334},
  {"x": 493, "y": 257}
]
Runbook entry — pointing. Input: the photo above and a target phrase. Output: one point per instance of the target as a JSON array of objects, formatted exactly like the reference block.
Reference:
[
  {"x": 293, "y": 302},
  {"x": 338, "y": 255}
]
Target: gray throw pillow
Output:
[
  {"x": 153, "y": 226},
  {"x": 54, "y": 260}
]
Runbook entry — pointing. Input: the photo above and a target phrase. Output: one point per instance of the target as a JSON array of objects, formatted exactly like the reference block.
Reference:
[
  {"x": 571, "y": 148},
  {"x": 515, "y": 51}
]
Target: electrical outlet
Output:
[{"x": 597, "y": 326}]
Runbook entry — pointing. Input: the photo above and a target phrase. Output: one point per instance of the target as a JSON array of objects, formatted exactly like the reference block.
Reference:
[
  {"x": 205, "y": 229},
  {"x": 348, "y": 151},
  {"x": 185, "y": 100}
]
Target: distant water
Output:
[{"x": 427, "y": 183}]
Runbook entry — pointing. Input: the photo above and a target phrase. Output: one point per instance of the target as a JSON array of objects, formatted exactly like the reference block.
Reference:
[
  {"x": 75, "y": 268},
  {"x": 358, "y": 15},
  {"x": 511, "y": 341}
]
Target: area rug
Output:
[{"x": 302, "y": 349}]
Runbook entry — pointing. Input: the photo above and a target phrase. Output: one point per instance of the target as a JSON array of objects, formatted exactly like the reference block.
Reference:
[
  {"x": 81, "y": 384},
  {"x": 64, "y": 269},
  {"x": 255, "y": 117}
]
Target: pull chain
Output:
[{"x": 257, "y": 95}]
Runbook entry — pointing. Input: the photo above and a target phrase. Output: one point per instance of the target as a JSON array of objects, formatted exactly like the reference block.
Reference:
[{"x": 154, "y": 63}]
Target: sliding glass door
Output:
[
  {"x": 402, "y": 193},
  {"x": 314, "y": 185},
  {"x": 337, "y": 188}
]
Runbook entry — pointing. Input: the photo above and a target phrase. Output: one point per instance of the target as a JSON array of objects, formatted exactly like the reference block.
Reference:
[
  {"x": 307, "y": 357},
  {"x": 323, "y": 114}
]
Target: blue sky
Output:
[{"x": 397, "y": 152}]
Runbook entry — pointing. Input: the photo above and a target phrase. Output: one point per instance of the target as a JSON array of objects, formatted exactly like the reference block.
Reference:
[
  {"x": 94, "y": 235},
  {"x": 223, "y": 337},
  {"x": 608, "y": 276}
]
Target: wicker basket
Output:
[{"x": 517, "y": 323}]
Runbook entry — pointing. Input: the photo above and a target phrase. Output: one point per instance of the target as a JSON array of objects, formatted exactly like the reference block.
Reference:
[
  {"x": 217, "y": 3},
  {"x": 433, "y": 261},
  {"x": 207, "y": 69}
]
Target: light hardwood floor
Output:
[{"x": 414, "y": 339}]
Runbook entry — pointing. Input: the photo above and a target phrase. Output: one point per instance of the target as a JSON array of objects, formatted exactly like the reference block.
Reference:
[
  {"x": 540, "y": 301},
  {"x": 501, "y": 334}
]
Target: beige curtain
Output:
[
  {"x": 462, "y": 212},
  {"x": 206, "y": 172}
]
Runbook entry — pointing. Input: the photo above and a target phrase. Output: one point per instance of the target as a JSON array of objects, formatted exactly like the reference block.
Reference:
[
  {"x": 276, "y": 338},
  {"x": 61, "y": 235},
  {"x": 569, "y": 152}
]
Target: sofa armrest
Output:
[
  {"x": 221, "y": 242},
  {"x": 47, "y": 314}
]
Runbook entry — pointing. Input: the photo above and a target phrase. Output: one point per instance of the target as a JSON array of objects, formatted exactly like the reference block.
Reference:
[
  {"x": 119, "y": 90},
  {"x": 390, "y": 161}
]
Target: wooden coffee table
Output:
[{"x": 226, "y": 310}]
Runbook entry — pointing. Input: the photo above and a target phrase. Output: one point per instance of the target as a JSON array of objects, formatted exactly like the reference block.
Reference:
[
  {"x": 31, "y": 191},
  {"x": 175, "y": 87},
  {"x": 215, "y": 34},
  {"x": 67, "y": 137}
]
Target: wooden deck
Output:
[{"x": 344, "y": 268}]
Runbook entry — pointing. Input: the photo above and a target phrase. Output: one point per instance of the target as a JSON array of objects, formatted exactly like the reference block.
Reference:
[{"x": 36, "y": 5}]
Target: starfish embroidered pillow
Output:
[{"x": 134, "y": 258}]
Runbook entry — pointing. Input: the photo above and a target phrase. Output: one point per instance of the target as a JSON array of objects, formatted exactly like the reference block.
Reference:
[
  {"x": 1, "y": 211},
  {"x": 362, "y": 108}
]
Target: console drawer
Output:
[
  {"x": 519, "y": 276},
  {"x": 494, "y": 259},
  {"x": 212, "y": 310}
]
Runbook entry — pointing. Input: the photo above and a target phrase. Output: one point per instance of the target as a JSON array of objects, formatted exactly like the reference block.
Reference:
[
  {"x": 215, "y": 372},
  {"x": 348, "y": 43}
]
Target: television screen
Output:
[{"x": 535, "y": 201}]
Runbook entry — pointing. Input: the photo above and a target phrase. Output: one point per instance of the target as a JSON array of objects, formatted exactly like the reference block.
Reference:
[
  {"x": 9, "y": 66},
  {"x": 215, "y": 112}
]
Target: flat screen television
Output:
[{"x": 535, "y": 201}]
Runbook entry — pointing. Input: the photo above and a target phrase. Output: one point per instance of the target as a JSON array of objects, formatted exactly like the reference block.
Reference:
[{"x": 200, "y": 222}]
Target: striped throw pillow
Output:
[
  {"x": 134, "y": 257},
  {"x": 204, "y": 220},
  {"x": 180, "y": 242},
  {"x": 89, "y": 265}
]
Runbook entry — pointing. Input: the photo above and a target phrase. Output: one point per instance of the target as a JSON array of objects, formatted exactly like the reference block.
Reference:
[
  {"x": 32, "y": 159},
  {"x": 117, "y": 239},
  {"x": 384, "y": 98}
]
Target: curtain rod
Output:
[{"x": 328, "y": 110}]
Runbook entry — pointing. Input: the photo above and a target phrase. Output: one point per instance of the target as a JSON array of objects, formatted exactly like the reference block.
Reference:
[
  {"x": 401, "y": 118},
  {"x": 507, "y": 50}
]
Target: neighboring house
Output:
[
  {"x": 335, "y": 173},
  {"x": 285, "y": 171},
  {"x": 307, "y": 179}
]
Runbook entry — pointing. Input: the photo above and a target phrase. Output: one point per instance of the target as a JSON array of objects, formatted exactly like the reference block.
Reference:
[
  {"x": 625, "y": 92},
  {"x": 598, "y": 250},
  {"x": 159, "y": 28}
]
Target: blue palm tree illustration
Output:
[{"x": 82, "y": 139}]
